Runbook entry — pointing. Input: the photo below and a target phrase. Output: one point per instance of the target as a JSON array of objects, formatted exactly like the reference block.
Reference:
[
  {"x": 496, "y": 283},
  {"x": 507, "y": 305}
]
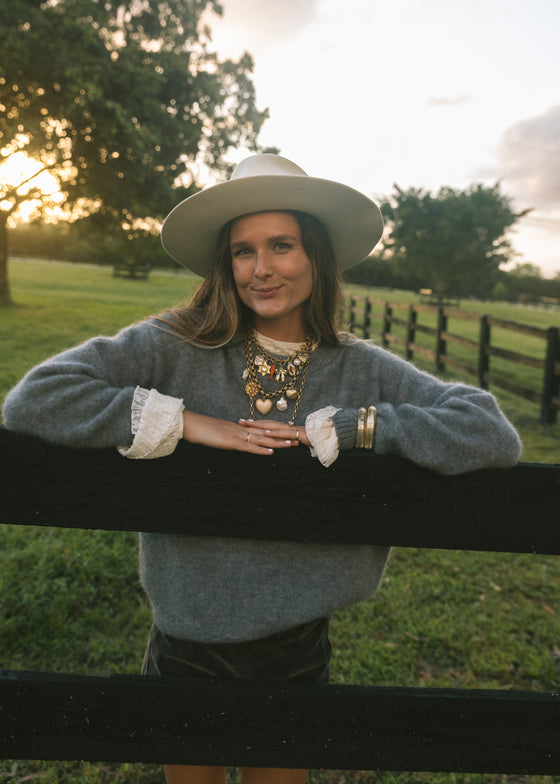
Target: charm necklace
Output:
[{"x": 290, "y": 373}]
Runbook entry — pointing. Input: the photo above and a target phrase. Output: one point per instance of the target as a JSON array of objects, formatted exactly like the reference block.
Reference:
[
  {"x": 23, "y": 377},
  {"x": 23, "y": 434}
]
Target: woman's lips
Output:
[{"x": 267, "y": 293}]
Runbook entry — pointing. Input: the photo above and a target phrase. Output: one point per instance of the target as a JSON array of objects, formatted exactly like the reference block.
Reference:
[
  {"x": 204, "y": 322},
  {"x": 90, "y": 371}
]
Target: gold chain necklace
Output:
[{"x": 290, "y": 373}]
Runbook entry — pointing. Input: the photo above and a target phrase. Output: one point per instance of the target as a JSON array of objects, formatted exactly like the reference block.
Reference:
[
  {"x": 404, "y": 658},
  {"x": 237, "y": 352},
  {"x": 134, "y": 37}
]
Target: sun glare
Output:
[
  {"x": 20, "y": 170},
  {"x": 23, "y": 173}
]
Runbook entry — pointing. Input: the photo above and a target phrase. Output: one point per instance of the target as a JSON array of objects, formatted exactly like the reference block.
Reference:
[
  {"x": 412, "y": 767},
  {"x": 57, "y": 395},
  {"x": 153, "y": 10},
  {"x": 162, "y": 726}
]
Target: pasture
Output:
[{"x": 71, "y": 602}]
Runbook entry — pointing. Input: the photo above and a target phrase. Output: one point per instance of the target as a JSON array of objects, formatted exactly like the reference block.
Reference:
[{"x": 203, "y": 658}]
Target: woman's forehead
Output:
[{"x": 274, "y": 222}]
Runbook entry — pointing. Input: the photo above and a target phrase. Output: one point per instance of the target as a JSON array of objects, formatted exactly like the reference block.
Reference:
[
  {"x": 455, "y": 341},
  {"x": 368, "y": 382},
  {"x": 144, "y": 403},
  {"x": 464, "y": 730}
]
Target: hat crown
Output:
[{"x": 266, "y": 164}]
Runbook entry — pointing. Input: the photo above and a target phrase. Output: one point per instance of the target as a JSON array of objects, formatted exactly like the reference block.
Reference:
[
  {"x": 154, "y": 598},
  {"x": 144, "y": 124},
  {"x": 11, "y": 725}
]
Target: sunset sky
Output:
[{"x": 422, "y": 93}]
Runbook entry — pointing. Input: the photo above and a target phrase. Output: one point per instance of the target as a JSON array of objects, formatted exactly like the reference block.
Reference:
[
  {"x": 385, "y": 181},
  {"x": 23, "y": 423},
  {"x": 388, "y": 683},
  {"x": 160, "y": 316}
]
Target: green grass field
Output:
[{"x": 71, "y": 602}]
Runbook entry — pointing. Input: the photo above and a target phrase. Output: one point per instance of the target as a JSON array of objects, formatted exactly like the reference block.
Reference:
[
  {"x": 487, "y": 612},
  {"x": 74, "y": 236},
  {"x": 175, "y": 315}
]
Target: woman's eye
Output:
[{"x": 241, "y": 252}]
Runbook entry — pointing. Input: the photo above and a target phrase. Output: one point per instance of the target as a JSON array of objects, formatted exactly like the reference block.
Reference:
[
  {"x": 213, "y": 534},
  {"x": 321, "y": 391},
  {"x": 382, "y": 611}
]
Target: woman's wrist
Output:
[
  {"x": 356, "y": 431},
  {"x": 190, "y": 426}
]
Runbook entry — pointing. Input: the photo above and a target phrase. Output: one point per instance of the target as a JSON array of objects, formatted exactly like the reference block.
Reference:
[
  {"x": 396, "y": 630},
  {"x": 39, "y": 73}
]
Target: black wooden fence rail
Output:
[
  {"x": 360, "y": 311},
  {"x": 360, "y": 499}
]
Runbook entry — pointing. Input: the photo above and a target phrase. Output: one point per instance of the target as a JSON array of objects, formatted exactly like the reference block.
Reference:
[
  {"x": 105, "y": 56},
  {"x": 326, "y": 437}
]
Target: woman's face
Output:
[{"x": 272, "y": 272}]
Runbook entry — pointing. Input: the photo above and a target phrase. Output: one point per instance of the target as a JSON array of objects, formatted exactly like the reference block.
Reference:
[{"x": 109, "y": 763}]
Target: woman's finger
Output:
[
  {"x": 268, "y": 438},
  {"x": 278, "y": 430}
]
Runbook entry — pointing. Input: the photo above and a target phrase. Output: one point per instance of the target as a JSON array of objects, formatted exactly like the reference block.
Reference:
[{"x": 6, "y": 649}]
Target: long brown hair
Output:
[{"x": 214, "y": 314}]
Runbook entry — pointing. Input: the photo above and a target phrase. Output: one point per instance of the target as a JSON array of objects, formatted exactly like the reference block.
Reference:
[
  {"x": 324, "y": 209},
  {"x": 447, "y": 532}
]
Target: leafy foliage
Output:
[
  {"x": 121, "y": 101},
  {"x": 454, "y": 242}
]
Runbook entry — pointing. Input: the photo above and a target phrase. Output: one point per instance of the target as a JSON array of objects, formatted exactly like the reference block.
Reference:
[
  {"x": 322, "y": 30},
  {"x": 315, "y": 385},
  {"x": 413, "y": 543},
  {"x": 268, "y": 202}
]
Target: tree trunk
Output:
[{"x": 5, "y": 295}]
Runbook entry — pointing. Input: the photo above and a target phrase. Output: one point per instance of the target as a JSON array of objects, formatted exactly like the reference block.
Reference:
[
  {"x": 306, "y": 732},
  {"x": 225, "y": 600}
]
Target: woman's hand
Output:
[
  {"x": 280, "y": 431},
  {"x": 259, "y": 438}
]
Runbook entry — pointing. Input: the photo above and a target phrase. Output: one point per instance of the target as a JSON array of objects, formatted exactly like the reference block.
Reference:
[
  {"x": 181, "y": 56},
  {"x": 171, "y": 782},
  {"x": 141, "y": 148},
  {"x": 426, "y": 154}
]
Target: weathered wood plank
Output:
[
  {"x": 514, "y": 326},
  {"x": 514, "y": 356},
  {"x": 362, "y": 498},
  {"x": 250, "y": 723}
]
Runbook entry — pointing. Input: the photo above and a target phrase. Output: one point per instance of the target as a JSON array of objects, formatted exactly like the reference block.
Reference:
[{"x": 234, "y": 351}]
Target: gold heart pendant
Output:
[
  {"x": 291, "y": 394},
  {"x": 263, "y": 406}
]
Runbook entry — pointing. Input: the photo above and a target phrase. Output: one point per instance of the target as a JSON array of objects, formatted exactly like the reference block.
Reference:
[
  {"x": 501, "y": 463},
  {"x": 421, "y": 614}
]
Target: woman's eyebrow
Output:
[
  {"x": 284, "y": 237},
  {"x": 240, "y": 244},
  {"x": 277, "y": 238}
]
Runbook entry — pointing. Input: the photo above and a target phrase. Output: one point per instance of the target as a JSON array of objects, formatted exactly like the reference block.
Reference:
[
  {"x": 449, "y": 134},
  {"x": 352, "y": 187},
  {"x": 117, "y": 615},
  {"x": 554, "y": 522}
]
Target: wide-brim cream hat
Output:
[{"x": 267, "y": 182}]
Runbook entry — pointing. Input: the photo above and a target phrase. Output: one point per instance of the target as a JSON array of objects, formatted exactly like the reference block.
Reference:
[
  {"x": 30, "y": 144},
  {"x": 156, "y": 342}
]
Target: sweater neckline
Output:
[
  {"x": 282, "y": 348},
  {"x": 324, "y": 354}
]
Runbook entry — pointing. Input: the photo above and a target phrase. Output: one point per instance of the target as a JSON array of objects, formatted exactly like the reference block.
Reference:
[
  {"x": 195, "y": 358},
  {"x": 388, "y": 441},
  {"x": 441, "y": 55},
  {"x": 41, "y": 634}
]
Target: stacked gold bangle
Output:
[{"x": 367, "y": 420}]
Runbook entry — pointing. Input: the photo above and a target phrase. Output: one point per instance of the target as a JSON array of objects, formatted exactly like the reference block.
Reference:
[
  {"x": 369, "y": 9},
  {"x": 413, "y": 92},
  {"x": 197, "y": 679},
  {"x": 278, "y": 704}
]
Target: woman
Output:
[{"x": 256, "y": 363}]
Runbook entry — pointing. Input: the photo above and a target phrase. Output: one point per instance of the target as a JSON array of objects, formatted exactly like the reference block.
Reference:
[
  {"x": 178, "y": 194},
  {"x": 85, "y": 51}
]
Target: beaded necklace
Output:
[{"x": 289, "y": 373}]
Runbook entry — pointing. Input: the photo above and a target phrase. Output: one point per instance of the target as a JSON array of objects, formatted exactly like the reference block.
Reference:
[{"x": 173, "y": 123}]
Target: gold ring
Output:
[
  {"x": 297, "y": 435},
  {"x": 248, "y": 436}
]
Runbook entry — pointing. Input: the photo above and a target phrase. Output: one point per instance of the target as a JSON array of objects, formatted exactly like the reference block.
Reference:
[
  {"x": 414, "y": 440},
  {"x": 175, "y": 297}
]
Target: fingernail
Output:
[{"x": 242, "y": 420}]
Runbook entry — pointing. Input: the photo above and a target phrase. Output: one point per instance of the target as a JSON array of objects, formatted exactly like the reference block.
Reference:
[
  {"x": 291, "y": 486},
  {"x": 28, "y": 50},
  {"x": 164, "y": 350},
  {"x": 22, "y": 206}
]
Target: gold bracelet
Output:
[
  {"x": 361, "y": 428},
  {"x": 370, "y": 427}
]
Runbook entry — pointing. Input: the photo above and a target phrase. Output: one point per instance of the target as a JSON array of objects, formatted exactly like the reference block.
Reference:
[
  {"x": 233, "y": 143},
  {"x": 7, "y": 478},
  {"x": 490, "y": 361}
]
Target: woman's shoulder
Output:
[
  {"x": 351, "y": 344},
  {"x": 354, "y": 351},
  {"x": 165, "y": 328},
  {"x": 348, "y": 340},
  {"x": 349, "y": 351}
]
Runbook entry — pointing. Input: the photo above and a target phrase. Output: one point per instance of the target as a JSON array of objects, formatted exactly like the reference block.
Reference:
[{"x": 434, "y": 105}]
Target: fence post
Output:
[
  {"x": 386, "y": 323},
  {"x": 551, "y": 387},
  {"x": 410, "y": 331},
  {"x": 483, "y": 352},
  {"x": 352, "y": 314},
  {"x": 441, "y": 343},
  {"x": 367, "y": 318}
]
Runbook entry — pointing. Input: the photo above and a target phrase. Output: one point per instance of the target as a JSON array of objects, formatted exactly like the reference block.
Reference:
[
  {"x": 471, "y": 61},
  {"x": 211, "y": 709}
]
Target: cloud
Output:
[
  {"x": 529, "y": 155},
  {"x": 267, "y": 22}
]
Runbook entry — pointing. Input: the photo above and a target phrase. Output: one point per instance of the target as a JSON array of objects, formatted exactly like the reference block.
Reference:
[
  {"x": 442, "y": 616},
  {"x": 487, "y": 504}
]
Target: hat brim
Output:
[{"x": 354, "y": 222}]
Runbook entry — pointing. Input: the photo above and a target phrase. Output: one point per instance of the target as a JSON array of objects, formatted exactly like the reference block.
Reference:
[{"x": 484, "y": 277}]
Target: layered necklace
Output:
[{"x": 284, "y": 379}]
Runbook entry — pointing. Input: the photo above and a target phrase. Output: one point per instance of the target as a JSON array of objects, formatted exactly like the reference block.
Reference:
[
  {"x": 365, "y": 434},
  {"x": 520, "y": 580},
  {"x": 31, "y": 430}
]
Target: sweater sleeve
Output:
[
  {"x": 322, "y": 435},
  {"x": 83, "y": 397},
  {"x": 450, "y": 428},
  {"x": 157, "y": 425}
]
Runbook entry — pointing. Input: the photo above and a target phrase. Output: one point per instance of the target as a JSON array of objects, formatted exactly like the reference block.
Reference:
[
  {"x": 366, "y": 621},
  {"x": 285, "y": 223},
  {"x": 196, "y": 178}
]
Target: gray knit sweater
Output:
[{"x": 227, "y": 590}]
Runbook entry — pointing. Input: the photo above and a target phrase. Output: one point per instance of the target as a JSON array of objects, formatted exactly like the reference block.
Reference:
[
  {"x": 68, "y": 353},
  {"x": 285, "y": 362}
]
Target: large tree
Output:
[
  {"x": 454, "y": 242},
  {"x": 122, "y": 102}
]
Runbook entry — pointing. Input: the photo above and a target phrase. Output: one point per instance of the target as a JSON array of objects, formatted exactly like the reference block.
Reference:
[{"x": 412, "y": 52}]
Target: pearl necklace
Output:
[{"x": 289, "y": 372}]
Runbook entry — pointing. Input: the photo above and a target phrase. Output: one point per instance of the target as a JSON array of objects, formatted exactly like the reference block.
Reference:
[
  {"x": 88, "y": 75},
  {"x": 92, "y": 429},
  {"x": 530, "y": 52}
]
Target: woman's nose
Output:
[{"x": 263, "y": 266}]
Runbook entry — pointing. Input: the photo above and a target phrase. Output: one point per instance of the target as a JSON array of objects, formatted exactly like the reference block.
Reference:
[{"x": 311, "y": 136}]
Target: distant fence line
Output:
[{"x": 362, "y": 311}]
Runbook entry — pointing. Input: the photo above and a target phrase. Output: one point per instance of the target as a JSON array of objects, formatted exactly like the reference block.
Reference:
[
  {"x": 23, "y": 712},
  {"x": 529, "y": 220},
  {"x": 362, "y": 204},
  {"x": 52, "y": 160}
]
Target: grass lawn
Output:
[{"x": 71, "y": 602}]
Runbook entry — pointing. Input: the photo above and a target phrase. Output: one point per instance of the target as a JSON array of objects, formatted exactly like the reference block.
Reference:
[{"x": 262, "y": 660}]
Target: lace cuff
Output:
[
  {"x": 321, "y": 431},
  {"x": 157, "y": 425}
]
